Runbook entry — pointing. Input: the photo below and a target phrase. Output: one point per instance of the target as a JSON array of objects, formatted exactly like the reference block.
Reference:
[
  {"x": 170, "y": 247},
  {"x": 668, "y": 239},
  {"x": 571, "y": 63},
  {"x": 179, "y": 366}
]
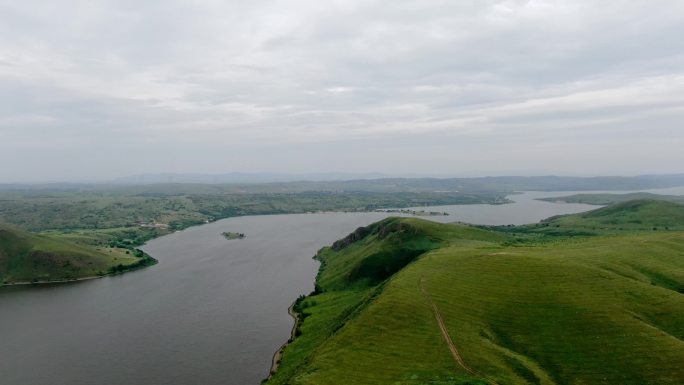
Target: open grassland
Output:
[
  {"x": 27, "y": 257},
  {"x": 541, "y": 309},
  {"x": 633, "y": 215}
]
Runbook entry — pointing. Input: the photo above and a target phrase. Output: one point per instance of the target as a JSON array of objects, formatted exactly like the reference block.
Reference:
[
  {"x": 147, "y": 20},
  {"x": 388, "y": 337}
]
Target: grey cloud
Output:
[{"x": 437, "y": 80}]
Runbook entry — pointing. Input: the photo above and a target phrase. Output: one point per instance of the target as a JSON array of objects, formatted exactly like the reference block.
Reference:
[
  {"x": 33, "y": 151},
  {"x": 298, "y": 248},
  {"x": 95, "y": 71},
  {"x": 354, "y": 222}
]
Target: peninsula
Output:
[{"x": 563, "y": 301}]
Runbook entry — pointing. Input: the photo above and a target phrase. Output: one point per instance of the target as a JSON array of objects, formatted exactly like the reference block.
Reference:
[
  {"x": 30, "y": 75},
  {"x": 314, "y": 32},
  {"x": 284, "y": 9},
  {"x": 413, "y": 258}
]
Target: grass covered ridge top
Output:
[{"x": 393, "y": 300}]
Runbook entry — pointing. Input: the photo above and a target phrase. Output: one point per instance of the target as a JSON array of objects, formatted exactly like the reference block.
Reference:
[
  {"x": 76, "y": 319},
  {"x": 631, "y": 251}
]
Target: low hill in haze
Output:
[{"x": 605, "y": 199}]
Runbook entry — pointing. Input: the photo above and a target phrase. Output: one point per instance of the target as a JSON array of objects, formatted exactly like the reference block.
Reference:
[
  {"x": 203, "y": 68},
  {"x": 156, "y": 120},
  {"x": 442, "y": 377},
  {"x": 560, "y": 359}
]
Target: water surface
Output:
[
  {"x": 526, "y": 208},
  {"x": 212, "y": 311}
]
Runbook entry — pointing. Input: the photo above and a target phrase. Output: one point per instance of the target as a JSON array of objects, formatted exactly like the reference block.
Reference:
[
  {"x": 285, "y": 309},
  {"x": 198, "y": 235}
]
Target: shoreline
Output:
[
  {"x": 156, "y": 261},
  {"x": 275, "y": 361},
  {"x": 55, "y": 281}
]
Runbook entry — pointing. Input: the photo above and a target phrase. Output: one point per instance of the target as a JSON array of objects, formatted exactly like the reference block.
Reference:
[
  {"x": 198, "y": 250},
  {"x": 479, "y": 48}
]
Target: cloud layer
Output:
[{"x": 441, "y": 87}]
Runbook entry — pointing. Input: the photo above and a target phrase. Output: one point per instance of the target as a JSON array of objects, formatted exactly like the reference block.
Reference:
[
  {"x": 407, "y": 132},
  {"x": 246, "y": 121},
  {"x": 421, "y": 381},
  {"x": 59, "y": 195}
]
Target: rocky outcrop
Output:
[
  {"x": 383, "y": 229},
  {"x": 357, "y": 235}
]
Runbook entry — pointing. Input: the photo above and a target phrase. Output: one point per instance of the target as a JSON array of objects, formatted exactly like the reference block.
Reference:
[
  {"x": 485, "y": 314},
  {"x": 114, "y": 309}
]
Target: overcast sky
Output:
[{"x": 100, "y": 89}]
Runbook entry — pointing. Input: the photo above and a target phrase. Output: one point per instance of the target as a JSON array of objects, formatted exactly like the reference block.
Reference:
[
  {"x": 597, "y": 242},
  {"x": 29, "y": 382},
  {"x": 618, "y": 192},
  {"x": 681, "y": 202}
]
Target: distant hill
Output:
[
  {"x": 336, "y": 182},
  {"x": 378, "y": 183},
  {"x": 631, "y": 215},
  {"x": 407, "y": 301},
  {"x": 240, "y": 177},
  {"x": 27, "y": 257},
  {"x": 608, "y": 199}
]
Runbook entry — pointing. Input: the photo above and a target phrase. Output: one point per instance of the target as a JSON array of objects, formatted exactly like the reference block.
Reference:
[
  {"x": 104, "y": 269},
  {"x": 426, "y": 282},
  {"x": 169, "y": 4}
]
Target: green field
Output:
[
  {"x": 520, "y": 306},
  {"x": 27, "y": 257}
]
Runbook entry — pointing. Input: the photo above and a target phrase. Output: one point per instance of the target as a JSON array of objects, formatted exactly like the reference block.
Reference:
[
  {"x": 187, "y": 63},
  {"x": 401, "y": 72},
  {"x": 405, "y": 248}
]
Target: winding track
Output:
[{"x": 447, "y": 338}]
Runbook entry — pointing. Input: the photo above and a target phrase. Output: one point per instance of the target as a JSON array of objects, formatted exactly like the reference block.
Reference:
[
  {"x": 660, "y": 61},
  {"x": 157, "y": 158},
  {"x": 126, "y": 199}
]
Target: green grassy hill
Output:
[
  {"x": 453, "y": 304},
  {"x": 631, "y": 215},
  {"x": 605, "y": 199},
  {"x": 28, "y": 257}
]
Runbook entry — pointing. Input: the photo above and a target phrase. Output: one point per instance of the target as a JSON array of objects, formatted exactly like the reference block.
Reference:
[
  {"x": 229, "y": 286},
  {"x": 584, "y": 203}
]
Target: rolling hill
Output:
[
  {"x": 28, "y": 257},
  {"x": 609, "y": 199},
  {"x": 406, "y": 301},
  {"x": 630, "y": 215}
]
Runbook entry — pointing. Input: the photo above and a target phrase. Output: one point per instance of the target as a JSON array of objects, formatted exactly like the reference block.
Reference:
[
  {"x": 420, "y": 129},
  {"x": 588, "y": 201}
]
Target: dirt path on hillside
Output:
[
  {"x": 445, "y": 333},
  {"x": 278, "y": 355}
]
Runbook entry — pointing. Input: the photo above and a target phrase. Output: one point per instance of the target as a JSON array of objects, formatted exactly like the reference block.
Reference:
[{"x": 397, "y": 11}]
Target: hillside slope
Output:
[
  {"x": 630, "y": 215},
  {"x": 604, "y": 199},
  {"x": 28, "y": 257},
  {"x": 474, "y": 307}
]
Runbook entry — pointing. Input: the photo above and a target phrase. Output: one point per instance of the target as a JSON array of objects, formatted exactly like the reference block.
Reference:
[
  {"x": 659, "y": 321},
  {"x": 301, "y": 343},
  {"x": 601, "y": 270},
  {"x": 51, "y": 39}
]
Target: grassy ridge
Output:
[
  {"x": 603, "y": 309},
  {"x": 618, "y": 218},
  {"x": 346, "y": 287},
  {"x": 634, "y": 215},
  {"x": 609, "y": 199},
  {"x": 27, "y": 257}
]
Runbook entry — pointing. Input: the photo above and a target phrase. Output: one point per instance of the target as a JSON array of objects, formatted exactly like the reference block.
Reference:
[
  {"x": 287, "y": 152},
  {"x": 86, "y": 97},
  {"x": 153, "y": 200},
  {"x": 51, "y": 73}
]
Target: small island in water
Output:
[{"x": 232, "y": 235}]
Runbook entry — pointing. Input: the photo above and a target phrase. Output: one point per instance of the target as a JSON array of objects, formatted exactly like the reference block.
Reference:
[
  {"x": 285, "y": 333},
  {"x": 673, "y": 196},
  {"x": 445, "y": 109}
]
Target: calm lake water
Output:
[{"x": 212, "y": 311}]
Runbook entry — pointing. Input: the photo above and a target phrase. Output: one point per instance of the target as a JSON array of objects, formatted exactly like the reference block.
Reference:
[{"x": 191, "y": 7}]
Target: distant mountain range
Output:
[
  {"x": 348, "y": 182},
  {"x": 241, "y": 177},
  {"x": 550, "y": 182},
  {"x": 383, "y": 183}
]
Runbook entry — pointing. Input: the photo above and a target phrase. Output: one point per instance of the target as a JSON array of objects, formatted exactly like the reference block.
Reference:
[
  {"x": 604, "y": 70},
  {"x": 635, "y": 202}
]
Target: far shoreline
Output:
[{"x": 154, "y": 261}]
